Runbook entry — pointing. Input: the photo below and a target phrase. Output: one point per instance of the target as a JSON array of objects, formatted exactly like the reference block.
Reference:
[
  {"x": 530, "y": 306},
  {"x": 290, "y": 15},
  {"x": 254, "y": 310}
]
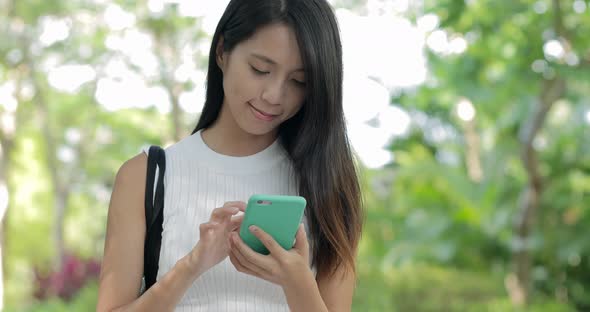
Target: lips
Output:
[{"x": 261, "y": 114}]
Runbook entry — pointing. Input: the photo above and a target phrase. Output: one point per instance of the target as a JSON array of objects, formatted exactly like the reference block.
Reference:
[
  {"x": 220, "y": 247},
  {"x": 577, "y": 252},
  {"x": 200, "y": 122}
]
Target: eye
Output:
[
  {"x": 299, "y": 83},
  {"x": 258, "y": 72}
]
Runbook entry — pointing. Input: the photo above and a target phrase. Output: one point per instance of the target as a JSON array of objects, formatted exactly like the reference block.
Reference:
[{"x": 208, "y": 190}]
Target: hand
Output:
[
  {"x": 281, "y": 267},
  {"x": 213, "y": 244}
]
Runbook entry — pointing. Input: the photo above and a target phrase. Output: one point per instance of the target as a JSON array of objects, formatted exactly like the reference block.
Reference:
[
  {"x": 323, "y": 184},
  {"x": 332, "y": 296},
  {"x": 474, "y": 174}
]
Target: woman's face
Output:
[{"x": 263, "y": 80}]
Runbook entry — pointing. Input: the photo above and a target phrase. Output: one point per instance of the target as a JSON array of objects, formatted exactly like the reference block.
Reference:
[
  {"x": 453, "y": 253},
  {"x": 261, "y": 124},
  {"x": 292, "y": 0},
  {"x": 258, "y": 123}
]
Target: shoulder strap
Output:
[{"x": 154, "y": 214}]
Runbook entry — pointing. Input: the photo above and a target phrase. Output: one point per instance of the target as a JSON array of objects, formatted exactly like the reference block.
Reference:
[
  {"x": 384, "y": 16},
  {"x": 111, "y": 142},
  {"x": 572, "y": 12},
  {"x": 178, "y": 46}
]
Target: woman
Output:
[{"x": 272, "y": 124}]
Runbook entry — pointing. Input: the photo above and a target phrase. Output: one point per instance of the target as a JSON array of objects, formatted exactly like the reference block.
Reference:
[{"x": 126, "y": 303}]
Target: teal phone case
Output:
[{"x": 277, "y": 215}]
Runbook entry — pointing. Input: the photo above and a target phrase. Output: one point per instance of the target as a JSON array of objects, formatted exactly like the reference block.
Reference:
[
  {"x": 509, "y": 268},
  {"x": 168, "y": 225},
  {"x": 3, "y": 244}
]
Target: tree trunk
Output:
[
  {"x": 60, "y": 189},
  {"x": 519, "y": 283},
  {"x": 4, "y": 190},
  {"x": 174, "y": 91},
  {"x": 6, "y": 146},
  {"x": 167, "y": 55},
  {"x": 472, "y": 152}
]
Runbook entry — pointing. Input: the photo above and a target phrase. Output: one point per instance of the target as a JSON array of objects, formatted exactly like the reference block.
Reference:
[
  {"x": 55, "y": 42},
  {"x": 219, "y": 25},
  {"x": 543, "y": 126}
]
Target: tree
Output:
[{"x": 521, "y": 59}]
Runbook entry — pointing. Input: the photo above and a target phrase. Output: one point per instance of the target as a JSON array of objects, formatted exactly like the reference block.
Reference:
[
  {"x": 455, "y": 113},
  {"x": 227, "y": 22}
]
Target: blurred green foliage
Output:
[{"x": 438, "y": 236}]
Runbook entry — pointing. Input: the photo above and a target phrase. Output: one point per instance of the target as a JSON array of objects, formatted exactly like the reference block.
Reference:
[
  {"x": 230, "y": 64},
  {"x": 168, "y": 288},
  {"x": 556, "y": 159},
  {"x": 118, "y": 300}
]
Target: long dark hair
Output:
[{"x": 315, "y": 138}]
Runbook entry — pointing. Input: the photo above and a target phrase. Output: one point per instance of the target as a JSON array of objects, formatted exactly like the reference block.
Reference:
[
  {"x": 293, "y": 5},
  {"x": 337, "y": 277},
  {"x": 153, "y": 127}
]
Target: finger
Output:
[
  {"x": 268, "y": 241},
  {"x": 205, "y": 228},
  {"x": 220, "y": 214},
  {"x": 242, "y": 265},
  {"x": 237, "y": 264},
  {"x": 238, "y": 204},
  {"x": 301, "y": 242},
  {"x": 236, "y": 221},
  {"x": 250, "y": 255},
  {"x": 228, "y": 209}
]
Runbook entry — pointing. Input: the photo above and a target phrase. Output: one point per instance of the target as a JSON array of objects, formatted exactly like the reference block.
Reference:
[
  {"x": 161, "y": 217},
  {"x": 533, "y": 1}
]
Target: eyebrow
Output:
[{"x": 269, "y": 60}]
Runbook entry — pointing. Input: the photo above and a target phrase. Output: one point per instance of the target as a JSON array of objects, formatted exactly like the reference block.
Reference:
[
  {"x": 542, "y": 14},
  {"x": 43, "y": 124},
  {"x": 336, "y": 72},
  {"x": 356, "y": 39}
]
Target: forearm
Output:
[
  {"x": 165, "y": 294},
  {"x": 303, "y": 294}
]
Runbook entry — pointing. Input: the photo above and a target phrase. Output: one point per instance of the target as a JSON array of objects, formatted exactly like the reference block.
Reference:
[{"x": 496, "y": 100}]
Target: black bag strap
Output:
[{"x": 154, "y": 214}]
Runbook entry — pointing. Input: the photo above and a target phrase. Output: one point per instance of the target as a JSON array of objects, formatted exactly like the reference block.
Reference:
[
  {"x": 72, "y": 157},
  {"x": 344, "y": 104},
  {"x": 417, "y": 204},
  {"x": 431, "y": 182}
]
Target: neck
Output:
[{"x": 227, "y": 138}]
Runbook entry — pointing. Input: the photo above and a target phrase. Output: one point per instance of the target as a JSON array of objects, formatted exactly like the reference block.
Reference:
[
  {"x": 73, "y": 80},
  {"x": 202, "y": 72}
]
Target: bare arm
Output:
[
  {"x": 122, "y": 266},
  {"x": 332, "y": 293},
  {"x": 337, "y": 291}
]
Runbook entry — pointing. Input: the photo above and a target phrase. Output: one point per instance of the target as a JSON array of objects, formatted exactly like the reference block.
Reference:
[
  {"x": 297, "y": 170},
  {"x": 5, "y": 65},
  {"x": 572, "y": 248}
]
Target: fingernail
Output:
[{"x": 253, "y": 228}]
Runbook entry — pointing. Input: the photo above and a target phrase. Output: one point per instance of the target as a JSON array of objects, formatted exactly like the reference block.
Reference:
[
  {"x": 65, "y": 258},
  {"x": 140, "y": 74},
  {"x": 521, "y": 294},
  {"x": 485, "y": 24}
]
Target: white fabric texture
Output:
[{"x": 198, "y": 180}]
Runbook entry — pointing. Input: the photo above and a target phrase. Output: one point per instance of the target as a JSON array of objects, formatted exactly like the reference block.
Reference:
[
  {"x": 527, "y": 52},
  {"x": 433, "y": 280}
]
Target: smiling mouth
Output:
[{"x": 262, "y": 115}]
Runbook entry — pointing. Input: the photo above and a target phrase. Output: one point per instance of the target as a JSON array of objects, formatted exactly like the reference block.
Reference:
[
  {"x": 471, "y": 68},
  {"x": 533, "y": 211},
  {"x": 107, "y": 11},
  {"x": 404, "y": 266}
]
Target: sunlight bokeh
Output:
[{"x": 375, "y": 66}]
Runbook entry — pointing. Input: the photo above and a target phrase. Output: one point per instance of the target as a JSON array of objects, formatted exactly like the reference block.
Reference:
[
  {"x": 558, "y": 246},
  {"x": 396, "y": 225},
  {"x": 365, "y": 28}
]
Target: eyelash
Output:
[
  {"x": 299, "y": 83},
  {"x": 261, "y": 73},
  {"x": 258, "y": 72}
]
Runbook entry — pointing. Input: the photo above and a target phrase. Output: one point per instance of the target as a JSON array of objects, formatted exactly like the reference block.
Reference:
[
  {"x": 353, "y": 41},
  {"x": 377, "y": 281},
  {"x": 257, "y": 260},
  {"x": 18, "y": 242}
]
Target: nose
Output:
[{"x": 273, "y": 92}]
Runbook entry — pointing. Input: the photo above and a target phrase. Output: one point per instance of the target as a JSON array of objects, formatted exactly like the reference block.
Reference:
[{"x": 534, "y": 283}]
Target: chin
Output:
[
  {"x": 261, "y": 132},
  {"x": 258, "y": 130}
]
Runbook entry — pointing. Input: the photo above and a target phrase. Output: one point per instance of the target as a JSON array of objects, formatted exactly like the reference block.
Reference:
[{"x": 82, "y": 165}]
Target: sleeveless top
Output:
[{"x": 198, "y": 180}]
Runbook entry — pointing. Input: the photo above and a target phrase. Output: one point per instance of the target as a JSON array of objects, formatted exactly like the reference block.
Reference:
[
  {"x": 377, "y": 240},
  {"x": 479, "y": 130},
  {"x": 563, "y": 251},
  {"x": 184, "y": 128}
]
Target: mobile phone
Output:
[{"x": 277, "y": 215}]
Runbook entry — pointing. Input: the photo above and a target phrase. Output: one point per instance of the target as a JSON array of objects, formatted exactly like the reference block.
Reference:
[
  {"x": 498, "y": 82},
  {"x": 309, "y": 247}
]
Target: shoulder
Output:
[
  {"x": 129, "y": 187},
  {"x": 132, "y": 170}
]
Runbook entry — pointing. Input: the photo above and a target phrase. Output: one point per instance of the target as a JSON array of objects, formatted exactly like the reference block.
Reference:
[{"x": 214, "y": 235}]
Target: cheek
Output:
[
  {"x": 298, "y": 99},
  {"x": 295, "y": 108},
  {"x": 239, "y": 88}
]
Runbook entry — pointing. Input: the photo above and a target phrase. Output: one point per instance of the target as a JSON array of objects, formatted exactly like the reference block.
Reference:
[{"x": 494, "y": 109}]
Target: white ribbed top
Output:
[{"x": 198, "y": 180}]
